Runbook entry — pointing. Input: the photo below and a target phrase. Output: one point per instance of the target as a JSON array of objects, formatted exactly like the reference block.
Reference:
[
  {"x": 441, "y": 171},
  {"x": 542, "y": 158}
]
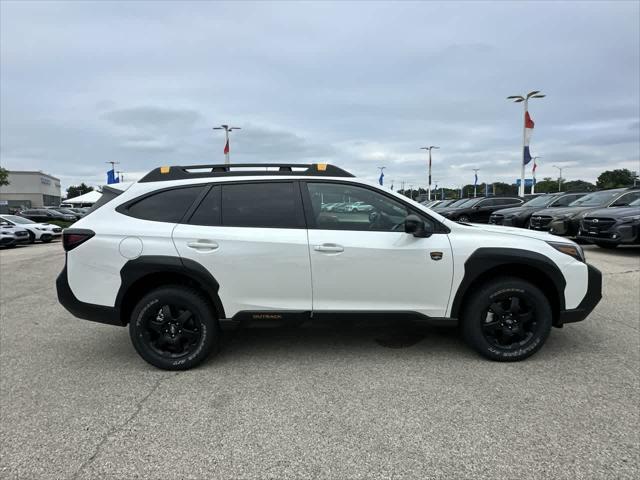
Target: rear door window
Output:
[
  {"x": 165, "y": 206},
  {"x": 262, "y": 205}
]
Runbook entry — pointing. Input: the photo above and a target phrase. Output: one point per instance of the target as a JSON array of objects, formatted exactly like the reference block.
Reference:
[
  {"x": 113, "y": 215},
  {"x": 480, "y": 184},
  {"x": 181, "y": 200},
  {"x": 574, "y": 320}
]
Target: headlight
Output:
[
  {"x": 632, "y": 218},
  {"x": 573, "y": 250}
]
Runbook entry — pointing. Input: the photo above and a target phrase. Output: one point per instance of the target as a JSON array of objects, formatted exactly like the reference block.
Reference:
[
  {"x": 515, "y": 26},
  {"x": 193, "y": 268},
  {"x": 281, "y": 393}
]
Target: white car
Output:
[
  {"x": 187, "y": 250},
  {"x": 20, "y": 235},
  {"x": 44, "y": 232}
]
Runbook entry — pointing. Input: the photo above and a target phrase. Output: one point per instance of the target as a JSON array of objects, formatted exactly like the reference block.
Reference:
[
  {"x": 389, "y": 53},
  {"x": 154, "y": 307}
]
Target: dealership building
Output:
[{"x": 29, "y": 190}]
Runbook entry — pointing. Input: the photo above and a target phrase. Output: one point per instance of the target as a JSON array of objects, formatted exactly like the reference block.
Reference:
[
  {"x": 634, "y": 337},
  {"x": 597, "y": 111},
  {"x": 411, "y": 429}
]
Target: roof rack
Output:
[{"x": 183, "y": 172}]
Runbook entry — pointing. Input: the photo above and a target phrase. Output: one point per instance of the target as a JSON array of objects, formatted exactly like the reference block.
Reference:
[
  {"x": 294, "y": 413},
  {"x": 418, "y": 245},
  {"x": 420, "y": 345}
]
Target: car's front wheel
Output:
[
  {"x": 507, "y": 319},
  {"x": 174, "y": 328},
  {"x": 463, "y": 219}
]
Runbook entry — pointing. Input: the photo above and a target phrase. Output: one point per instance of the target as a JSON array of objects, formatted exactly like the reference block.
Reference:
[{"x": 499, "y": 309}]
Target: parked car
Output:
[
  {"x": 44, "y": 232},
  {"x": 521, "y": 216},
  {"x": 478, "y": 210},
  {"x": 20, "y": 234},
  {"x": 7, "y": 239},
  {"x": 68, "y": 211},
  {"x": 566, "y": 221},
  {"x": 358, "y": 207},
  {"x": 438, "y": 203},
  {"x": 453, "y": 204},
  {"x": 610, "y": 227},
  {"x": 188, "y": 250},
  {"x": 44, "y": 215}
]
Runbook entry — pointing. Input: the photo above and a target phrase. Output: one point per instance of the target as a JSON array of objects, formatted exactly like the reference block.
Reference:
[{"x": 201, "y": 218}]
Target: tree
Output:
[
  {"x": 547, "y": 185},
  {"x": 616, "y": 178},
  {"x": 578, "y": 186},
  {"x": 4, "y": 176},
  {"x": 77, "y": 190}
]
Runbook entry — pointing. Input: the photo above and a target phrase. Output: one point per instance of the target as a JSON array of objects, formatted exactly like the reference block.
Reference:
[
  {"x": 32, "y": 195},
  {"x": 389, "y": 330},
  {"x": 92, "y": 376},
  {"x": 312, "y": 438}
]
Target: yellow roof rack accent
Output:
[
  {"x": 322, "y": 167},
  {"x": 165, "y": 169}
]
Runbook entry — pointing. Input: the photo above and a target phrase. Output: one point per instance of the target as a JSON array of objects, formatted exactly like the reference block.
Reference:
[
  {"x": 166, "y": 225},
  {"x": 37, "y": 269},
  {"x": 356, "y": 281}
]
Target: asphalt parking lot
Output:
[{"x": 378, "y": 401}]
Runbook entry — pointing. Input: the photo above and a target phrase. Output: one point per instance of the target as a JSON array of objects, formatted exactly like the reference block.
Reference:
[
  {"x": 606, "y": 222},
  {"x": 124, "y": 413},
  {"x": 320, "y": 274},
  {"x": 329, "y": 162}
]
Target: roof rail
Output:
[{"x": 183, "y": 172}]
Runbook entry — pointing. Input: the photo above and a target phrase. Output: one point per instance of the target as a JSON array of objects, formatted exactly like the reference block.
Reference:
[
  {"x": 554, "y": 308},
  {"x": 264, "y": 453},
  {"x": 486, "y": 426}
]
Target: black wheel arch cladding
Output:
[
  {"x": 158, "y": 267},
  {"x": 520, "y": 263}
]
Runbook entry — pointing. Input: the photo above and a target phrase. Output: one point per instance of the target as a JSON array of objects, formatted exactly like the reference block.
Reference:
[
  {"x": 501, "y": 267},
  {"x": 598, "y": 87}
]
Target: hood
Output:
[
  {"x": 511, "y": 210},
  {"x": 614, "y": 212},
  {"x": 558, "y": 212},
  {"x": 520, "y": 232}
]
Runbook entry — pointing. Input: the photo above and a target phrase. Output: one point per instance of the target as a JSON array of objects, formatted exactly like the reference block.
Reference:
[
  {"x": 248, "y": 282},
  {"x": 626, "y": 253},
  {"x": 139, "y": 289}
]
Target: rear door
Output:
[{"x": 251, "y": 236}]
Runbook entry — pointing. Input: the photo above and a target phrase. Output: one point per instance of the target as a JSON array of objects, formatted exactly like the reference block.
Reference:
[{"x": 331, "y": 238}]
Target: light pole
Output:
[
  {"x": 226, "y": 129},
  {"x": 120, "y": 175},
  {"x": 560, "y": 176},
  {"x": 429, "y": 149},
  {"x": 533, "y": 174},
  {"x": 525, "y": 142},
  {"x": 475, "y": 182}
]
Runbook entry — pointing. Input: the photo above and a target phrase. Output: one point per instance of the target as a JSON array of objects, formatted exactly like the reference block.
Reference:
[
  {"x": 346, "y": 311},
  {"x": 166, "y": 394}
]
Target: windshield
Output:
[
  {"x": 595, "y": 199},
  {"x": 469, "y": 202},
  {"x": 540, "y": 201},
  {"x": 17, "y": 219},
  {"x": 458, "y": 202}
]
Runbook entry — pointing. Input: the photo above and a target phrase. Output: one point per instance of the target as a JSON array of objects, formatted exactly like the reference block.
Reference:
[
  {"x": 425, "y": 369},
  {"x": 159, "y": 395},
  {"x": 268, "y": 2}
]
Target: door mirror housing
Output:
[{"x": 417, "y": 227}]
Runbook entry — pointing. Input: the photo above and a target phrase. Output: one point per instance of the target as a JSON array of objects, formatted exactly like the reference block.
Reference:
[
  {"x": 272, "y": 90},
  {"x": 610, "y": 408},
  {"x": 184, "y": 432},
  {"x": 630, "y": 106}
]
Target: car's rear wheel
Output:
[
  {"x": 507, "y": 319},
  {"x": 174, "y": 328},
  {"x": 463, "y": 218}
]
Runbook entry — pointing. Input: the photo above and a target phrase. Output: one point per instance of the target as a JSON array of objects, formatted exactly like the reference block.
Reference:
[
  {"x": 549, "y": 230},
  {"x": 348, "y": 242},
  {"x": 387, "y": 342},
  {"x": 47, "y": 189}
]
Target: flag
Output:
[
  {"x": 111, "y": 177},
  {"x": 535, "y": 165},
  {"x": 226, "y": 147},
  {"x": 391, "y": 185},
  {"x": 528, "y": 130},
  {"x": 381, "y": 179}
]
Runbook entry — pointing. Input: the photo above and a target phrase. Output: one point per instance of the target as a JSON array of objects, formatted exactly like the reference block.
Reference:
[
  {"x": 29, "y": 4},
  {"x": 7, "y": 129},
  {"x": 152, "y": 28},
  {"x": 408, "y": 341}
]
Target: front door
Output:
[
  {"x": 251, "y": 237},
  {"x": 362, "y": 260}
]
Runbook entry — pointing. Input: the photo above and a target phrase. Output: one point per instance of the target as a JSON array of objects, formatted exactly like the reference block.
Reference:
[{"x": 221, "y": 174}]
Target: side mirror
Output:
[
  {"x": 416, "y": 226},
  {"x": 476, "y": 207}
]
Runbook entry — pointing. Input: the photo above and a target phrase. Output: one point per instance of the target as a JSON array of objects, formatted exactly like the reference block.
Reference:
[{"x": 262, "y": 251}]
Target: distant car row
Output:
[
  {"x": 16, "y": 230},
  {"x": 606, "y": 218},
  {"x": 347, "y": 207}
]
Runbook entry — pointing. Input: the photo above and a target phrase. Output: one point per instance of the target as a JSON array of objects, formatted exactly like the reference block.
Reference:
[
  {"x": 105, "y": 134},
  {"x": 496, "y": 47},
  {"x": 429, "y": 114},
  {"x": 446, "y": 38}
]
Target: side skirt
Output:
[{"x": 290, "y": 317}]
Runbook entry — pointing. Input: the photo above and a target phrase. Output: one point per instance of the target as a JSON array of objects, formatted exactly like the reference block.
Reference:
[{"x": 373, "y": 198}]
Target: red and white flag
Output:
[{"x": 226, "y": 147}]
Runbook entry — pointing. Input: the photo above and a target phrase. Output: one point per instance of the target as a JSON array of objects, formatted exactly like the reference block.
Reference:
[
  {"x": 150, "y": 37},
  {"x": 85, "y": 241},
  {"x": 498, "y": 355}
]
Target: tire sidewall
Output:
[
  {"x": 472, "y": 323},
  {"x": 172, "y": 295}
]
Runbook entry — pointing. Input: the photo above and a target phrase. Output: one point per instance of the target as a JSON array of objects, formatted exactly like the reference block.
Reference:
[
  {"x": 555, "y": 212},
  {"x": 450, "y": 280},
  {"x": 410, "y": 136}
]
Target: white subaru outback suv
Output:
[{"x": 188, "y": 250}]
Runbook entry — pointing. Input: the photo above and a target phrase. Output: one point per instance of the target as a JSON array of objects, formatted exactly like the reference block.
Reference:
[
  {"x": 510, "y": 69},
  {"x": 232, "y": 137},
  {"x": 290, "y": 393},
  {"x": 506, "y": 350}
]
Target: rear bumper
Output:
[
  {"x": 86, "y": 311},
  {"x": 588, "y": 303}
]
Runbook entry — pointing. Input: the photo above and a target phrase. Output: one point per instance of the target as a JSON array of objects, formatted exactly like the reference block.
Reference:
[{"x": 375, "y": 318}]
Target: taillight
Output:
[{"x": 72, "y": 237}]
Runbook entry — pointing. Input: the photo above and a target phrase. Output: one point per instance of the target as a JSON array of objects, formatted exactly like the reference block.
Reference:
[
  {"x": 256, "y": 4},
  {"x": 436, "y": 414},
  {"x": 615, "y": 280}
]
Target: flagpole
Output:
[{"x": 227, "y": 148}]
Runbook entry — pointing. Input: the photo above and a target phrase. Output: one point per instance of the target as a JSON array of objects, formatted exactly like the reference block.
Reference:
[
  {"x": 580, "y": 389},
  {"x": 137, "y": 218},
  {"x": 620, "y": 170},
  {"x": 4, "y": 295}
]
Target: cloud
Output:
[{"x": 143, "y": 83}]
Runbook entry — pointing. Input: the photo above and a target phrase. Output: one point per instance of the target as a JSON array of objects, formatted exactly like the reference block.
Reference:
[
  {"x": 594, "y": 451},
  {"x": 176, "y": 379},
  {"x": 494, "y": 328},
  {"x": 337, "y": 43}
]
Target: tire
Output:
[
  {"x": 463, "y": 218},
  {"x": 32, "y": 236},
  {"x": 608, "y": 246},
  {"x": 46, "y": 238},
  {"x": 488, "y": 319},
  {"x": 174, "y": 328}
]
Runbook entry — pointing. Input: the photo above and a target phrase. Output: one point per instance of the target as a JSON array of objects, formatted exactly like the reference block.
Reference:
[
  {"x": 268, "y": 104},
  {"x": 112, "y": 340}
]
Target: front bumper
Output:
[
  {"x": 564, "y": 228},
  {"x": 86, "y": 311},
  {"x": 616, "y": 235},
  {"x": 588, "y": 303}
]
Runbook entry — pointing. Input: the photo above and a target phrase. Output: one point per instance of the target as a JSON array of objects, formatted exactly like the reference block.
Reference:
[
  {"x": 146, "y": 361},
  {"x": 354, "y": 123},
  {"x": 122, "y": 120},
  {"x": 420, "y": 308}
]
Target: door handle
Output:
[
  {"x": 203, "y": 245},
  {"x": 328, "y": 248}
]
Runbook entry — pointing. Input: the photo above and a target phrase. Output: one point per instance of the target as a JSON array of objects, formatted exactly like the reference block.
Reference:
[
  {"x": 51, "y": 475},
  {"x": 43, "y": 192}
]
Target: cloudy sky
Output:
[{"x": 356, "y": 84}]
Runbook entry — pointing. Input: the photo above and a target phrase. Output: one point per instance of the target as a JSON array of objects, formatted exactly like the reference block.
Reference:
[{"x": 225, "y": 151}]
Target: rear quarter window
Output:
[{"x": 164, "y": 206}]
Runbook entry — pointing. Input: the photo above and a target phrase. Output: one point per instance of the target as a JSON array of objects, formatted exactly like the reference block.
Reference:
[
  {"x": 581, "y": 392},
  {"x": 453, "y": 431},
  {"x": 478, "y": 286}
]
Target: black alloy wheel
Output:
[
  {"x": 174, "y": 328},
  {"x": 172, "y": 331},
  {"x": 510, "y": 321},
  {"x": 506, "y": 319},
  {"x": 463, "y": 219}
]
